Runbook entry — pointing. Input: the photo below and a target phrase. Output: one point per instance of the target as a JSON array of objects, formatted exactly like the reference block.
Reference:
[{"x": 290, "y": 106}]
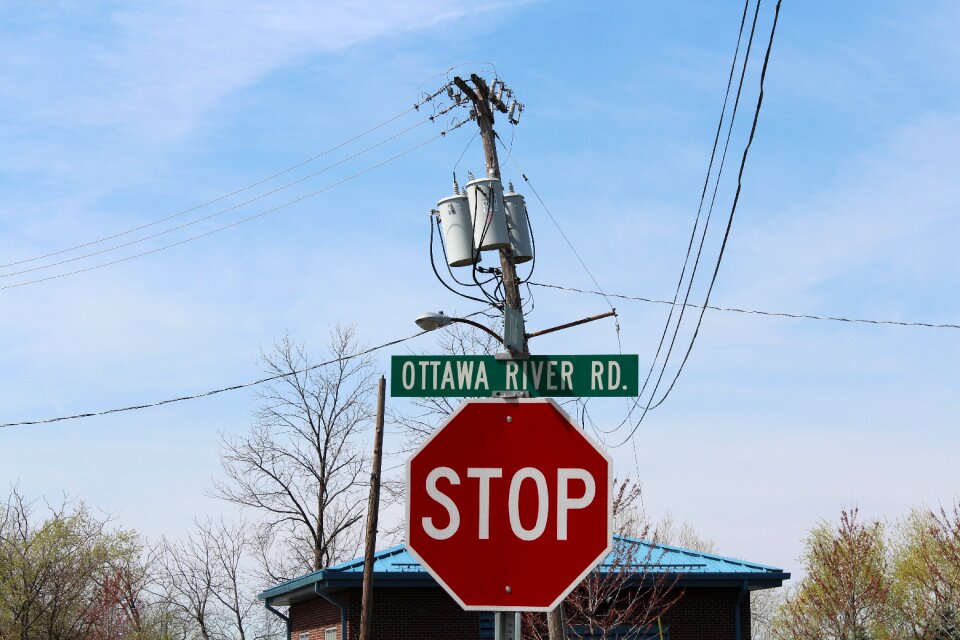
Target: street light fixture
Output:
[{"x": 435, "y": 320}]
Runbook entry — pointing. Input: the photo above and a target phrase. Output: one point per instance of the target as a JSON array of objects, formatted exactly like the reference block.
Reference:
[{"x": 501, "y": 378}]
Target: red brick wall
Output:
[
  {"x": 708, "y": 614},
  {"x": 398, "y": 614},
  {"x": 313, "y": 616},
  {"x": 429, "y": 613}
]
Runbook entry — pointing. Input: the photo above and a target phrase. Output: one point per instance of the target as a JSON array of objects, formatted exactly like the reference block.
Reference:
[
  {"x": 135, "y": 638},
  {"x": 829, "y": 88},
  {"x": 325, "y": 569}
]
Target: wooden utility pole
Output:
[
  {"x": 555, "y": 623},
  {"x": 373, "y": 511},
  {"x": 483, "y": 103}
]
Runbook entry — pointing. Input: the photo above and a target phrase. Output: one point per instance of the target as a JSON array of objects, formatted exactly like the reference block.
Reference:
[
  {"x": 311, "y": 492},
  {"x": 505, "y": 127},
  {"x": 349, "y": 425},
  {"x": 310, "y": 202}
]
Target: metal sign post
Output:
[{"x": 507, "y": 625}]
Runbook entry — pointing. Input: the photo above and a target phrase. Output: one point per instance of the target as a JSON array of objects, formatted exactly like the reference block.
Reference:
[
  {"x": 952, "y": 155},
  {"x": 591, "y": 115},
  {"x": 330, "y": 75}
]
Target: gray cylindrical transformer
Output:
[
  {"x": 457, "y": 230},
  {"x": 485, "y": 198},
  {"x": 518, "y": 226}
]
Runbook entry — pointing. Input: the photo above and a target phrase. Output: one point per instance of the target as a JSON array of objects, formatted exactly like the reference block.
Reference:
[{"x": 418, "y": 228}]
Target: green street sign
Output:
[{"x": 540, "y": 376}]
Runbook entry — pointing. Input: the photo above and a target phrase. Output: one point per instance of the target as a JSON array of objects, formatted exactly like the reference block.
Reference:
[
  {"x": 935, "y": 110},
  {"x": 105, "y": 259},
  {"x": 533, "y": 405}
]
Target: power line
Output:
[
  {"x": 703, "y": 194},
  {"x": 415, "y": 107},
  {"x": 733, "y": 208},
  {"x": 576, "y": 253},
  {"x": 706, "y": 224},
  {"x": 221, "y": 211},
  {"x": 213, "y": 392},
  {"x": 775, "y": 314},
  {"x": 236, "y": 223}
]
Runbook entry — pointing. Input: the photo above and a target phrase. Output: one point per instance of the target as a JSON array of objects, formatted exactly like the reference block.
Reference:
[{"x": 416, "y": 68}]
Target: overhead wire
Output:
[
  {"x": 758, "y": 312},
  {"x": 221, "y": 211},
  {"x": 733, "y": 208},
  {"x": 252, "y": 185},
  {"x": 235, "y": 223},
  {"x": 213, "y": 392},
  {"x": 703, "y": 194},
  {"x": 576, "y": 253},
  {"x": 756, "y": 116},
  {"x": 703, "y": 233}
]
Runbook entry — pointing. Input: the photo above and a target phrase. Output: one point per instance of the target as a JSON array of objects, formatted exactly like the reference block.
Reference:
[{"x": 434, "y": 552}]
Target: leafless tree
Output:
[
  {"x": 233, "y": 587},
  {"x": 187, "y": 583},
  {"x": 627, "y": 593},
  {"x": 764, "y": 605},
  {"x": 427, "y": 413},
  {"x": 299, "y": 466},
  {"x": 207, "y": 578}
]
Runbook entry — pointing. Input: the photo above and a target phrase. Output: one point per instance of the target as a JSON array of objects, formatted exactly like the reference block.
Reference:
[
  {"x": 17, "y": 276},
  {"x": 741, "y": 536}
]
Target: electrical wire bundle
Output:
[
  {"x": 652, "y": 401},
  {"x": 77, "y": 258}
]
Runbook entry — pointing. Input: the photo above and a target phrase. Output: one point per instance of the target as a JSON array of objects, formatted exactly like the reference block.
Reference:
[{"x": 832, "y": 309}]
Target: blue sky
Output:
[{"x": 113, "y": 115}]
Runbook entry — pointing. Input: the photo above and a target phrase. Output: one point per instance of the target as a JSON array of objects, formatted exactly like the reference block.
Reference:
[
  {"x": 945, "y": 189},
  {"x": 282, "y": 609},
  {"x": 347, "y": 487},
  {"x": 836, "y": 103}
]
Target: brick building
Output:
[{"x": 409, "y": 604}]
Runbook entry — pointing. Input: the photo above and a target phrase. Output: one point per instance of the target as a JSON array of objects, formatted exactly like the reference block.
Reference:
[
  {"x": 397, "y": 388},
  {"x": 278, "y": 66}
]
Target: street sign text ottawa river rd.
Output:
[
  {"x": 508, "y": 505},
  {"x": 540, "y": 376}
]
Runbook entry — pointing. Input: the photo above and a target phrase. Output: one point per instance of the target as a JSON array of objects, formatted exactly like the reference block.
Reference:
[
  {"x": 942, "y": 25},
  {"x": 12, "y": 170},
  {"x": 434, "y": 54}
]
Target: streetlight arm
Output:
[
  {"x": 572, "y": 324},
  {"x": 477, "y": 325}
]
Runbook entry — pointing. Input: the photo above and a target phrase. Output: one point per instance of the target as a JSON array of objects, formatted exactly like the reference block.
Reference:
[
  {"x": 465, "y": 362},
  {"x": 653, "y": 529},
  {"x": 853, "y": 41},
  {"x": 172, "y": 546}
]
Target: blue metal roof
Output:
[
  {"x": 395, "y": 566},
  {"x": 639, "y": 553}
]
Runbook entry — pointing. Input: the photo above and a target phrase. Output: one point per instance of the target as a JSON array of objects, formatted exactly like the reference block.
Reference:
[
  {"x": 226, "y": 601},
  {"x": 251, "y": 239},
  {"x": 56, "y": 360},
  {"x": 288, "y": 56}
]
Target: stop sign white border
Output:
[{"x": 574, "y": 582}]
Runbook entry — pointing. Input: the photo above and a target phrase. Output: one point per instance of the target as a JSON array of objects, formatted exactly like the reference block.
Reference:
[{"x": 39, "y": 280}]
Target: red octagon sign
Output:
[{"x": 508, "y": 504}]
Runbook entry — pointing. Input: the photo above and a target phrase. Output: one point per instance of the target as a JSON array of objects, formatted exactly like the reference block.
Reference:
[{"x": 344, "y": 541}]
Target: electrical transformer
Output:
[
  {"x": 485, "y": 199},
  {"x": 518, "y": 226},
  {"x": 454, "y": 214}
]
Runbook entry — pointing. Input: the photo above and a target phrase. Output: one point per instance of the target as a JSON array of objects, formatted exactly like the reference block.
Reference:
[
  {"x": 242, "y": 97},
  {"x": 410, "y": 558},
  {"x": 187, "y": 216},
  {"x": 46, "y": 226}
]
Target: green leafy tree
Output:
[
  {"x": 845, "y": 594},
  {"x": 926, "y": 572},
  {"x": 57, "y": 573}
]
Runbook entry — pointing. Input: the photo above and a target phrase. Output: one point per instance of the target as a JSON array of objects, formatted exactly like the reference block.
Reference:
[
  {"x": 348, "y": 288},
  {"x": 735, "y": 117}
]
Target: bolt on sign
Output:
[
  {"x": 509, "y": 505},
  {"x": 540, "y": 376}
]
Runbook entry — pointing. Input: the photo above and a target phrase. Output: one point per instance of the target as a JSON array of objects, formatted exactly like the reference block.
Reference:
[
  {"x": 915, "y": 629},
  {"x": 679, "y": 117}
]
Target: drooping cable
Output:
[
  {"x": 213, "y": 392},
  {"x": 758, "y": 312},
  {"x": 433, "y": 265},
  {"x": 703, "y": 194},
  {"x": 733, "y": 209},
  {"x": 233, "y": 224},
  {"x": 226, "y": 195},
  {"x": 221, "y": 211},
  {"x": 696, "y": 224},
  {"x": 753, "y": 128}
]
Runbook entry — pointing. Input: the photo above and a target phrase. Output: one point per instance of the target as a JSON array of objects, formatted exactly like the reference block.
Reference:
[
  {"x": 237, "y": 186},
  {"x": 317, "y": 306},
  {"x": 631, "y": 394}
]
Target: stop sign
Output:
[{"x": 508, "y": 504}]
